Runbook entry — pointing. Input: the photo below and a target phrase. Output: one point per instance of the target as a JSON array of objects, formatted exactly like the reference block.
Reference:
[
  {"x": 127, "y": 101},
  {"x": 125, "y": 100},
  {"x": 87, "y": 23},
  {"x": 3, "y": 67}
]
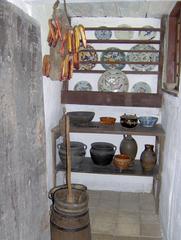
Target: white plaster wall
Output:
[
  {"x": 52, "y": 89},
  {"x": 170, "y": 203},
  {"x": 110, "y": 182}
]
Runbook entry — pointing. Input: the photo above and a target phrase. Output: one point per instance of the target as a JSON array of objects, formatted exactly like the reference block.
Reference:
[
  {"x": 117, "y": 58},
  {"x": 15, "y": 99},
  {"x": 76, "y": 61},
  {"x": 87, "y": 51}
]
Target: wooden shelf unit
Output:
[{"x": 89, "y": 167}]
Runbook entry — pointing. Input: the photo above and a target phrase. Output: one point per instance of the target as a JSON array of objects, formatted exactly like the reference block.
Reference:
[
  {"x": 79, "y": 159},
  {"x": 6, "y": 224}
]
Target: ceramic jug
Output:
[
  {"x": 148, "y": 158},
  {"x": 129, "y": 147}
]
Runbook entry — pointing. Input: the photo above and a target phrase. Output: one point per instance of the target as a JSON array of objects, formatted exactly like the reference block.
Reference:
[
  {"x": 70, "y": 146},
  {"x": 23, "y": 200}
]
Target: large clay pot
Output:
[
  {"x": 148, "y": 158},
  {"x": 129, "y": 147}
]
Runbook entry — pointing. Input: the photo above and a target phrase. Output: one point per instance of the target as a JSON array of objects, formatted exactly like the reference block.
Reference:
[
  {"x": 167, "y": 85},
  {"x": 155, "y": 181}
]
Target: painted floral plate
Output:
[
  {"x": 141, "y": 87},
  {"x": 113, "y": 80},
  {"x": 83, "y": 86},
  {"x": 89, "y": 57},
  {"x": 123, "y": 35},
  {"x": 142, "y": 57},
  {"x": 147, "y": 35},
  {"x": 103, "y": 34},
  {"x": 112, "y": 55}
]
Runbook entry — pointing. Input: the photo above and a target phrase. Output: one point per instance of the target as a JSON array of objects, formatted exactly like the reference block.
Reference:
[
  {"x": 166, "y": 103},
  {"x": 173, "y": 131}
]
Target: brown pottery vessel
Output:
[
  {"x": 148, "y": 158},
  {"x": 129, "y": 147}
]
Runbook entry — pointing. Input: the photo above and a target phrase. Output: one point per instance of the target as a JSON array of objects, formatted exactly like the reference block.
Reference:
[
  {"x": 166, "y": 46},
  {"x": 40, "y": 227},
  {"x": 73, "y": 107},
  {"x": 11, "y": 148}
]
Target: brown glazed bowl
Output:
[
  {"x": 107, "y": 120},
  {"x": 129, "y": 121},
  {"x": 122, "y": 161}
]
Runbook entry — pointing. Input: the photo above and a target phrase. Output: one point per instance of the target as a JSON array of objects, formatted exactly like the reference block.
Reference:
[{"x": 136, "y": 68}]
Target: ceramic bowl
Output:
[
  {"x": 103, "y": 146},
  {"x": 81, "y": 117},
  {"x": 129, "y": 121},
  {"x": 169, "y": 86},
  {"x": 122, "y": 161},
  {"x": 148, "y": 121},
  {"x": 107, "y": 120}
]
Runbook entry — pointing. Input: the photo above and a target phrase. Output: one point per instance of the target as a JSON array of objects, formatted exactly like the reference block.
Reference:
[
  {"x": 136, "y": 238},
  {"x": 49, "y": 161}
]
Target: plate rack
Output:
[{"x": 120, "y": 98}]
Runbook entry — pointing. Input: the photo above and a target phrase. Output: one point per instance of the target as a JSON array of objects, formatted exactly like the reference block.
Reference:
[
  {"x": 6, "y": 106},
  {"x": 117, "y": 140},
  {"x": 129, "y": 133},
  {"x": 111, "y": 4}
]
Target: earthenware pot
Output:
[
  {"x": 148, "y": 158},
  {"x": 102, "y": 153},
  {"x": 129, "y": 147},
  {"x": 129, "y": 121}
]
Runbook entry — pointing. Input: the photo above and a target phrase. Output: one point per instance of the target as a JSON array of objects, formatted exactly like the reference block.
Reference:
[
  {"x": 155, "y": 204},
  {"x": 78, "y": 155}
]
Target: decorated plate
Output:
[
  {"x": 83, "y": 86},
  {"x": 142, "y": 57},
  {"x": 112, "y": 55},
  {"x": 141, "y": 87},
  {"x": 113, "y": 80},
  {"x": 123, "y": 35},
  {"x": 103, "y": 34},
  {"x": 147, "y": 35},
  {"x": 86, "y": 56}
]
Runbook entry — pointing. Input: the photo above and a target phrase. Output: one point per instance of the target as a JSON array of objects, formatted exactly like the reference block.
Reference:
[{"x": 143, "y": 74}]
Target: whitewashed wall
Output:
[
  {"x": 51, "y": 89},
  {"x": 170, "y": 204}
]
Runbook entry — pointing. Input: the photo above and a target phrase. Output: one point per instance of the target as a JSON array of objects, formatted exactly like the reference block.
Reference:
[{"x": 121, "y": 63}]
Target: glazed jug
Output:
[
  {"x": 129, "y": 147},
  {"x": 148, "y": 158}
]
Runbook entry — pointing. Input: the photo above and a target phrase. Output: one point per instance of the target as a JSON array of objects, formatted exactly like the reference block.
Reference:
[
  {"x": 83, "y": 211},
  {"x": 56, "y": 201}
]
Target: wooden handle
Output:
[{"x": 69, "y": 162}]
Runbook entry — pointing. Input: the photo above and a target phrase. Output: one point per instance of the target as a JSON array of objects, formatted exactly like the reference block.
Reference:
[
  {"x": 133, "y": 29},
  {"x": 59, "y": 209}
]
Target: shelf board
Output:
[
  {"x": 89, "y": 167},
  {"x": 97, "y": 127},
  {"x": 124, "y": 41},
  {"x": 124, "y": 29},
  {"x": 112, "y": 98},
  {"x": 119, "y": 62},
  {"x": 126, "y": 72}
]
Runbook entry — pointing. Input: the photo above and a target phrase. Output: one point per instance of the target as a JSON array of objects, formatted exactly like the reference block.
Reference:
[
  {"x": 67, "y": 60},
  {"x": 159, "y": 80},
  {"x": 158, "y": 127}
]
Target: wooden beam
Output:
[{"x": 112, "y": 99}]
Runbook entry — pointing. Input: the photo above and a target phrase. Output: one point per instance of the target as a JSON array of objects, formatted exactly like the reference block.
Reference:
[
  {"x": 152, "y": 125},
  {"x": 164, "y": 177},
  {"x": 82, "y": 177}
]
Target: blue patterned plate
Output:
[
  {"x": 147, "y": 35},
  {"x": 141, "y": 87},
  {"x": 89, "y": 57},
  {"x": 103, "y": 34},
  {"x": 142, "y": 57},
  {"x": 112, "y": 55},
  {"x": 124, "y": 35},
  {"x": 83, "y": 86}
]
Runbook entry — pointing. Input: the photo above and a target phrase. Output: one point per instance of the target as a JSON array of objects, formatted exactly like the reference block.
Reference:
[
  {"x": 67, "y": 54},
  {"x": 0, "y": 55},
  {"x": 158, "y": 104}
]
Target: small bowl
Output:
[
  {"x": 148, "y": 121},
  {"x": 122, "y": 161},
  {"x": 81, "y": 117},
  {"x": 170, "y": 86},
  {"x": 129, "y": 121},
  {"x": 107, "y": 120}
]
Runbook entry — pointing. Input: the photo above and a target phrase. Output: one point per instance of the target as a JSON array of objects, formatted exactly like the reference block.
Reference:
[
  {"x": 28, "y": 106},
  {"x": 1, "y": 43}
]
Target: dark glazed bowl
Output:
[
  {"x": 81, "y": 117},
  {"x": 102, "y": 157},
  {"x": 129, "y": 121},
  {"x": 103, "y": 146}
]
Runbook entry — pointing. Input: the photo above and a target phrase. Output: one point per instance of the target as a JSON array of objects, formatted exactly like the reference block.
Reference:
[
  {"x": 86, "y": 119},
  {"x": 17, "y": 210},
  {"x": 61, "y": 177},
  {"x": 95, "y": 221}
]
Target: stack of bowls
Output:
[
  {"x": 78, "y": 151},
  {"x": 102, "y": 153}
]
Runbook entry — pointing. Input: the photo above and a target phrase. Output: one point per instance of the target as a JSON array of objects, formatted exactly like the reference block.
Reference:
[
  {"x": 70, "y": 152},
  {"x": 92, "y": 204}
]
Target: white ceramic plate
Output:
[
  {"x": 113, "y": 81},
  {"x": 123, "y": 35}
]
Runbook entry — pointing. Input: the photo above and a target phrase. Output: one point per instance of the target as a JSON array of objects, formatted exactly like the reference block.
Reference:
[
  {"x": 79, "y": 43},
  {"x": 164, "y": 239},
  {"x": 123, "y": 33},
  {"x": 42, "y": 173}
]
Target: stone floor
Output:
[{"x": 123, "y": 216}]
